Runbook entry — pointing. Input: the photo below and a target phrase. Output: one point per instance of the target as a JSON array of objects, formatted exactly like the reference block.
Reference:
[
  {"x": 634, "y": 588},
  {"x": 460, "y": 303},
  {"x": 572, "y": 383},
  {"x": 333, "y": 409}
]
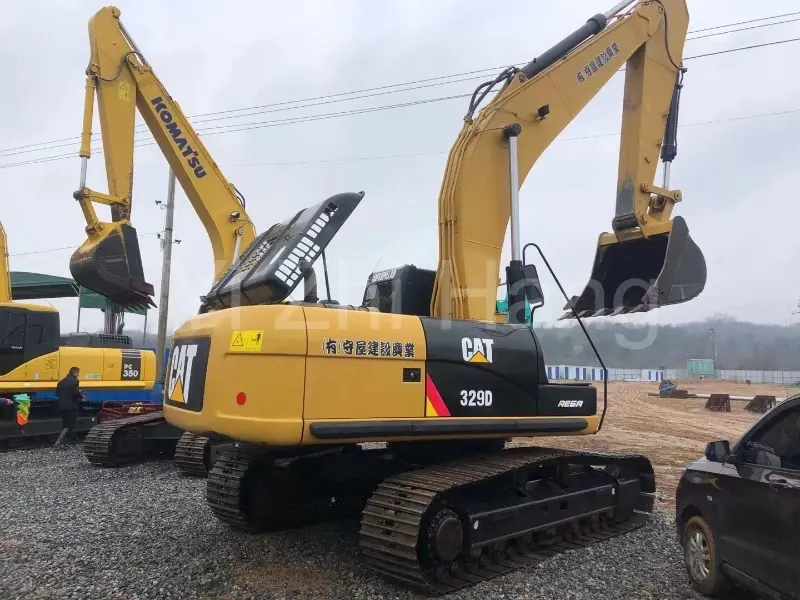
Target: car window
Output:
[{"x": 777, "y": 444}]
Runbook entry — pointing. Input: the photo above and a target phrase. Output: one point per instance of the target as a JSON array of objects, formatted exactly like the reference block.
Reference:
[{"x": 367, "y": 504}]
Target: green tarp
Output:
[
  {"x": 89, "y": 299},
  {"x": 37, "y": 286}
]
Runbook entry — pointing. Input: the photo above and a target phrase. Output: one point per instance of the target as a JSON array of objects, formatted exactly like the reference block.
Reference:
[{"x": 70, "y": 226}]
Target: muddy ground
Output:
[{"x": 670, "y": 432}]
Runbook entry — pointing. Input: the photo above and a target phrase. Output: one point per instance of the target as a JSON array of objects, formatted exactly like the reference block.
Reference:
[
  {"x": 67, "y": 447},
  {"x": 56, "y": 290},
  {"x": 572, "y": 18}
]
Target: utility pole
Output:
[
  {"x": 713, "y": 335},
  {"x": 166, "y": 264}
]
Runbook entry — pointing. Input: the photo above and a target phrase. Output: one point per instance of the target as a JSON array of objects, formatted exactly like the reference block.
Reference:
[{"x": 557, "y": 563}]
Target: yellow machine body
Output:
[
  {"x": 111, "y": 369},
  {"x": 32, "y": 358},
  {"x": 274, "y": 374}
]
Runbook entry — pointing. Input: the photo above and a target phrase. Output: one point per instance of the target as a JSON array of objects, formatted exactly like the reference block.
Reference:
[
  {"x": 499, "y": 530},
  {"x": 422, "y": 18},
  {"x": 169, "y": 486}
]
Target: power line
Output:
[
  {"x": 366, "y": 92},
  {"x": 237, "y": 127},
  {"x": 791, "y": 14},
  {"x": 708, "y": 35},
  {"x": 437, "y": 152},
  {"x": 46, "y": 250},
  {"x": 434, "y": 153},
  {"x": 440, "y": 152},
  {"x": 764, "y": 45}
]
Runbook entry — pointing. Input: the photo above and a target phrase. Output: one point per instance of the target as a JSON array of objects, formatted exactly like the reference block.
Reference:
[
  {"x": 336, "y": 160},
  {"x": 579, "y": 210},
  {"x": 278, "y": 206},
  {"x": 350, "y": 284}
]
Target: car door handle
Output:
[{"x": 780, "y": 484}]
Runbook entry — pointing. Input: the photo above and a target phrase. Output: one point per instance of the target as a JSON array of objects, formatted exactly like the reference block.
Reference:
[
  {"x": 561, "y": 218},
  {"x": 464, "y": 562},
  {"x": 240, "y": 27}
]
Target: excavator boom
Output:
[
  {"x": 534, "y": 106},
  {"x": 109, "y": 262}
]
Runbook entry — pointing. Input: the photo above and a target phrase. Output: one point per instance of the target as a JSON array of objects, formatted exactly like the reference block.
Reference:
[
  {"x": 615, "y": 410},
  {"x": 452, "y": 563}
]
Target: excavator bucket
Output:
[
  {"x": 641, "y": 274},
  {"x": 111, "y": 265}
]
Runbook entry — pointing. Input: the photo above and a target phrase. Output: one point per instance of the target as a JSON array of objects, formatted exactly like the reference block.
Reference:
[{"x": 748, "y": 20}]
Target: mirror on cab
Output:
[
  {"x": 718, "y": 451},
  {"x": 532, "y": 287}
]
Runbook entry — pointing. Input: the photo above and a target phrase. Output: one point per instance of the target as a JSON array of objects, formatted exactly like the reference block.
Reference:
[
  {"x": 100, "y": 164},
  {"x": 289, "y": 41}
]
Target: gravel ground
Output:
[{"x": 71, "y": 531}]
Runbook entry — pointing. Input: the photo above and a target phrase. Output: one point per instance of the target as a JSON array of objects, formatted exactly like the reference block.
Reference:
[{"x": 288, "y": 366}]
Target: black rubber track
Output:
[
  {"x": 192, "y": 455},
  {"x": 394, "y": 516},
  {"x": 251, "y": 492},
  {"x": 100, "y": 444},
  {"x": 247, "y": 492}
]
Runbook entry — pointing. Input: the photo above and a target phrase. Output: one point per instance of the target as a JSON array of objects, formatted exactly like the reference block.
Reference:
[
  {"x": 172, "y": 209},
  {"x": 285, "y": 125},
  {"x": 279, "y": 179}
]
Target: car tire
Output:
[{"x": 701, "y": 560}]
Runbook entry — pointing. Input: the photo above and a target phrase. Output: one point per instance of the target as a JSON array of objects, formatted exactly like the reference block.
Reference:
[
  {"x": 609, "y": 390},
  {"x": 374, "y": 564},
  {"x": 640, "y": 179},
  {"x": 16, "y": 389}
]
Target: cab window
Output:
[
  {"x": 42, "y": 329},
  {"x": 12, "y": 340},
  {"x": 12, "y": 324},
  {"x": 777, "y": 444}
]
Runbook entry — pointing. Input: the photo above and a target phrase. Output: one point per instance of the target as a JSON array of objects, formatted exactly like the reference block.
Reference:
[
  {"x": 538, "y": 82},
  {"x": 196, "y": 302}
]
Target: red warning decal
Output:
[{"x": 434, "y": 405}]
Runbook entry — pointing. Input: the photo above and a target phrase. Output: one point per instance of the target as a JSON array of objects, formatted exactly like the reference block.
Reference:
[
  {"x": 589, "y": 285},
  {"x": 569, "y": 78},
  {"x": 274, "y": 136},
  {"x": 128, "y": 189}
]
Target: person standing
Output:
[{"x": 69, "y": 399}]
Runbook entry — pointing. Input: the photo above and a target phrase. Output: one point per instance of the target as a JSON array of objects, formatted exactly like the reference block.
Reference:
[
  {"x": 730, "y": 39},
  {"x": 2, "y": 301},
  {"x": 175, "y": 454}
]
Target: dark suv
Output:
[{"x": 738, "y": 510}]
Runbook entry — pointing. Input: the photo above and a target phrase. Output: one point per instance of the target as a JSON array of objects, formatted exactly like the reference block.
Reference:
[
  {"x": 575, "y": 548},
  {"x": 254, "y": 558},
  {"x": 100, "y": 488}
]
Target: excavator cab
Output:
[
  {"x": 640, "y": 273},
  {"x": 405, "y": 290},
  {"x": 110, "y": 264}
]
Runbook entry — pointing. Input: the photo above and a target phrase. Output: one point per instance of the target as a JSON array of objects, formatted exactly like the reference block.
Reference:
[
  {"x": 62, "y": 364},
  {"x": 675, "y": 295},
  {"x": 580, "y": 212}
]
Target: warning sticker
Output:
[
  {"x": 124, "y": 91},
  {"x": 248, "y": 340}
]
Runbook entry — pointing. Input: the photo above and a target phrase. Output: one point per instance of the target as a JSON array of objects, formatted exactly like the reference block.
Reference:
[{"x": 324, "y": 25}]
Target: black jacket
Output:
[{"x": 69, "y": 394}]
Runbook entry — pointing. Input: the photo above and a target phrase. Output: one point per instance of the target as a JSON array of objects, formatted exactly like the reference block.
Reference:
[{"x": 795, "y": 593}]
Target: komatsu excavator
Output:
[
  {"x": 34, "y": 356},
  {"x": 109, "y": 261},
  {"x": 424, "y": 364}
]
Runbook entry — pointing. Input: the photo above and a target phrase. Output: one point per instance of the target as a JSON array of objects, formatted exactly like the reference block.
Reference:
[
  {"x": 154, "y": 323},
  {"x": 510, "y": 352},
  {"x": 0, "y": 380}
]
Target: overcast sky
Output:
[{"x": 738, "y": 177}]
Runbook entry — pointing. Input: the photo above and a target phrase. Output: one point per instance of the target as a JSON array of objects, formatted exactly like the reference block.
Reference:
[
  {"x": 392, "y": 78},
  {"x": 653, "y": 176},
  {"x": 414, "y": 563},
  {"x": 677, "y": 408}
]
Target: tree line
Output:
[{"x": 739, "y": 344}]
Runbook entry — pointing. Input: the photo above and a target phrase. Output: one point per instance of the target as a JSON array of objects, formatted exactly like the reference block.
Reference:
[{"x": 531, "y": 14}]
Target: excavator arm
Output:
[
  {"x": 495, "y": 151},
  {"x": 5, "y": 276},
  {"x": 121, "y": 79}
]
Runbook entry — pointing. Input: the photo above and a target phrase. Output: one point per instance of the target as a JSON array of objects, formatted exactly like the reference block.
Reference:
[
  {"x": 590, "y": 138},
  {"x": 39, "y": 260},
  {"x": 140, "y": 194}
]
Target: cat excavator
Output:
[
  {"x": 109, "y": 261},
  {"x": 426, "y": 367}
]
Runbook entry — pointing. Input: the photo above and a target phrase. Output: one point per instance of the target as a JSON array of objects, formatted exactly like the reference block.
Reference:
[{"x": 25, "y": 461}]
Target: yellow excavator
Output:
[
  {"x": 34, "y": 356},
  {"x": 109, "y": 261},
  {"x": 425, "y": 366}
]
